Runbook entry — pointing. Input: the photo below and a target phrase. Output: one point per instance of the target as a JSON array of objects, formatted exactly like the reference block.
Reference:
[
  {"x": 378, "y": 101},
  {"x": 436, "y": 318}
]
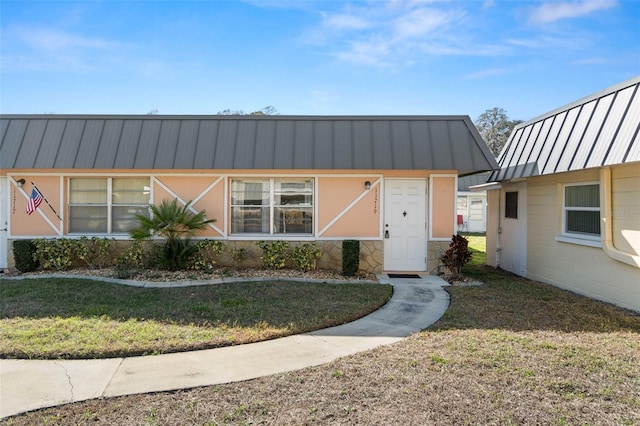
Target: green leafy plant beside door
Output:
[{"x": 457, "y": 255}]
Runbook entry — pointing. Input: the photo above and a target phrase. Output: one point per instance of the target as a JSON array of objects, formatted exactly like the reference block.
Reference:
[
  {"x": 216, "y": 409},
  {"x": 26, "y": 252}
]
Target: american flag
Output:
[{"x": 34, "y": 201}]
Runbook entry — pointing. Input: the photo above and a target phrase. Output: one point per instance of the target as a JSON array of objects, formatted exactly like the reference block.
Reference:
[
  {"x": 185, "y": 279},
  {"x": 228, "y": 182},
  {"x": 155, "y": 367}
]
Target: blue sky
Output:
[{"x": 312, "y": 57}]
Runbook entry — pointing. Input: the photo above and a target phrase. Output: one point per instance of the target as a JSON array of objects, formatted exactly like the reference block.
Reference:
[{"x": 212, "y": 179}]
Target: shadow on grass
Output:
[{"x": 507, "y": 301}]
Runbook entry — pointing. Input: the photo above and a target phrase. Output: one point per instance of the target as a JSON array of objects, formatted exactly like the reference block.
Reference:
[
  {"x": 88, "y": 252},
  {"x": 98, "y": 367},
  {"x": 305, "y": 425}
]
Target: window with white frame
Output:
[
  {"x": 107, "y": 205},
  {"x": 582, "y": 210},
  {"x": 272, "y": 206}
]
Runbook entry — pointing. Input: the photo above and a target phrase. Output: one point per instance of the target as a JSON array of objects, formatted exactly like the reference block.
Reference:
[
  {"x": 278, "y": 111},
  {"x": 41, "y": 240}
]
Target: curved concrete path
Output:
[{"x": 27, "y": 385}]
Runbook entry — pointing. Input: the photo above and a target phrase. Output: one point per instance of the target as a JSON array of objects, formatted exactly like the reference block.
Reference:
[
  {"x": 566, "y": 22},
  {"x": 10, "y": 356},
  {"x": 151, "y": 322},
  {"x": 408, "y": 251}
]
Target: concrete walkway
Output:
[{"x": 27, "y": 385}]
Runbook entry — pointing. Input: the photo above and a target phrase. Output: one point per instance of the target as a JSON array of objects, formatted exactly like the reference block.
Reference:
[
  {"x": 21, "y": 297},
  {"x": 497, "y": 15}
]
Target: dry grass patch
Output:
[{"x": 509, "y": 352}]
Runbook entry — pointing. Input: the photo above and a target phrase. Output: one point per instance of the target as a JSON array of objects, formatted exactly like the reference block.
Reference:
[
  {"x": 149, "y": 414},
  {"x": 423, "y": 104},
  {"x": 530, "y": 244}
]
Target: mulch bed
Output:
[{"x": 158, "y": 275}]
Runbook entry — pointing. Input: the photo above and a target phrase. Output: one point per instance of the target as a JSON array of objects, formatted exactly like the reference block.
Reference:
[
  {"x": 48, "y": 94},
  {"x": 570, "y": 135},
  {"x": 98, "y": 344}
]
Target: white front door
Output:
[
  {"x": 405, "y": 231},
  {"x": 4, "y": 217}
]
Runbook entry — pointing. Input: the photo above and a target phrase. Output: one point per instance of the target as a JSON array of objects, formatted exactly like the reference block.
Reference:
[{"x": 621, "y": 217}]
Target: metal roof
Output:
[
  {"x": 466, "y": 182},
  {"x": 599, "y": 130},
  {"x": 242, "y": 142}
]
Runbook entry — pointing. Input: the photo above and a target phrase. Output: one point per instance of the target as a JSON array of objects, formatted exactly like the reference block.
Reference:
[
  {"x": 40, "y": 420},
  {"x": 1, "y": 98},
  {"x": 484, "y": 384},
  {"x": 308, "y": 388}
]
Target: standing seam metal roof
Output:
[
  {"x": 599, "y": 130},
  {"x": 242, "y": 142}
]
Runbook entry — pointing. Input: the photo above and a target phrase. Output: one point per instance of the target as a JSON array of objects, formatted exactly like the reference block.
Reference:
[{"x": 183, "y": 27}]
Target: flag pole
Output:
[{"x": 45, "y": 200}]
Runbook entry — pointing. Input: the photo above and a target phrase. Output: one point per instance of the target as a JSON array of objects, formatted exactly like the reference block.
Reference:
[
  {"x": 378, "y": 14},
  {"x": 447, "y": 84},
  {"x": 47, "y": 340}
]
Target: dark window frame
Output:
[{"x": 511, "y": 205}]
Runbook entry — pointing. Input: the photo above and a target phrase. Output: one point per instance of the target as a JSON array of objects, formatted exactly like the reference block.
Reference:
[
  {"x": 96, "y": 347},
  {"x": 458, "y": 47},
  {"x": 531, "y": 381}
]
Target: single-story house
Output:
[
  {"x": 472, "y": 206},
  {"x": 564, "y": 208},
  {"x": 389, "y": 182}
]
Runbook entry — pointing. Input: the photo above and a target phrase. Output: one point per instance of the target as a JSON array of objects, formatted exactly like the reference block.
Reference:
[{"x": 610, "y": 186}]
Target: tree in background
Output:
[
  {"x": 495, "y": 128},
  {"x": 268, "y": 110}
]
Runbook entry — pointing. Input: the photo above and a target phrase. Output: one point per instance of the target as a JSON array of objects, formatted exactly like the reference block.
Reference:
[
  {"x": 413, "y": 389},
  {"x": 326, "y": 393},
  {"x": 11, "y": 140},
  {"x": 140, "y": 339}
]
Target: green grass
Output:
[
  {"x": 74, "y": 318},
  {"x": 512, "y": 351},
  {"x": 478, "y": 246}
]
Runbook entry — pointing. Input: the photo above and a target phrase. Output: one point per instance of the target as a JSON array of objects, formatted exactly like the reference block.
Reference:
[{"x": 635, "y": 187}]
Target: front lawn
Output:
[
  {"x": 74, "y": 318},
  {"x": 512, "y": 351}
]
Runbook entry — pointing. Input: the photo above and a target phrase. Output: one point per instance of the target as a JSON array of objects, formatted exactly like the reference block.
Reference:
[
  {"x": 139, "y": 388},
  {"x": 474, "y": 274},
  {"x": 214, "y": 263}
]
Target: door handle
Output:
[{"x": 386, "y": 233}]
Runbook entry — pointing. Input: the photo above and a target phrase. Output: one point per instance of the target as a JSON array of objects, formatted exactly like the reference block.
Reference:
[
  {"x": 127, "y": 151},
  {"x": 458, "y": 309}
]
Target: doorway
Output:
[{"x": 405, "y": 230}]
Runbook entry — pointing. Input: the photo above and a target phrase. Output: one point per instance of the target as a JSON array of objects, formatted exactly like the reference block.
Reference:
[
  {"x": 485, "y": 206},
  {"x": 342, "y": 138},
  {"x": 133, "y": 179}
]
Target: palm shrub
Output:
[{"x": 176, "y": 224}]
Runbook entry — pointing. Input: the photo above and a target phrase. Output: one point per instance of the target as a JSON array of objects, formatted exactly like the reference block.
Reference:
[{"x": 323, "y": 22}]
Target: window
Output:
[
  {"x": 106, "y": 205},
  {"x": 582, "y": 210},
  {"x": 272, "y": 206},
  {"x": 462, "y": 205},
  {"x": 511, "y": 205},
  {"x": 476, "y": 212}
]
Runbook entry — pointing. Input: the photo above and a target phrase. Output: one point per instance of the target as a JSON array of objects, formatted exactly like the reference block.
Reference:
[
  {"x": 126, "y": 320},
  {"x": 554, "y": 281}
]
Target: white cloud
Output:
[
  {"x": 395, "y": 34},
  {"x": 423, "y": 21},
  {"x": 369, "y": 52},
  {"x": 48, "y": 49},
  {"x": 51, "y": 39},
  {"x": 555, "y": 11},
  {"x": 488, "y": 4},
  {"x": 573, "y": 41},
  {"x": 346, "y": 22},
  {"x": 384, "y": 34},
  {"x": 491, "y": 72}
]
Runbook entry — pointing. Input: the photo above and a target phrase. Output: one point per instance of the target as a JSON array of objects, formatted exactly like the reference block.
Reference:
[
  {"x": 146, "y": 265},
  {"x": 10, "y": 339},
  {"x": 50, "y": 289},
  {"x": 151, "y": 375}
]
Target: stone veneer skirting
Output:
[
  {"x": 331, "y": 258},
  {"x": 371, "y": 254}
]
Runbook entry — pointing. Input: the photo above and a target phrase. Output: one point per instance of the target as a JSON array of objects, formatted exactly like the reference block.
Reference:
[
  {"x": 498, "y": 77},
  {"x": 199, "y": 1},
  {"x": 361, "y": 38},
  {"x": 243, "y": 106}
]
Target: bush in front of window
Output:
[
  {"x": 95, "y": 252},
  {"x": 305, "y": 256},
  {"x": 457, "y": 255},
  {"x": 175, "y": 224},
  {"x": 350, "y": 257},
  {"x": 24, "y": 255},
  {"x": 274, "y": 253},
  {"x": 207, "y": 253},
  {"x": 57, "y": 254},
  {"x": 238, "y": 255},
  {"x": 132, "y": 257}
]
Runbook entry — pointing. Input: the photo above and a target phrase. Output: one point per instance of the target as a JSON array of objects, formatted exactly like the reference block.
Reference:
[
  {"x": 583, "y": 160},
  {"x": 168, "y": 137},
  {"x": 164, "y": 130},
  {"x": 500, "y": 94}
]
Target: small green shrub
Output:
[
  {"x": 457, "y": 255},
  {"x": 206, "y": 255},
  {"x": 23, "y": 255},
  {"x": 350, "y": 257},
  {"x": 55, "y": 253},
  {"x": 95, "y": 252},
  {"x": 274, "y": 253},
  {"x": 239, "y": 255},
  {"x": 132, "y": 256},
  {"x": 305, "y": 256}
]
